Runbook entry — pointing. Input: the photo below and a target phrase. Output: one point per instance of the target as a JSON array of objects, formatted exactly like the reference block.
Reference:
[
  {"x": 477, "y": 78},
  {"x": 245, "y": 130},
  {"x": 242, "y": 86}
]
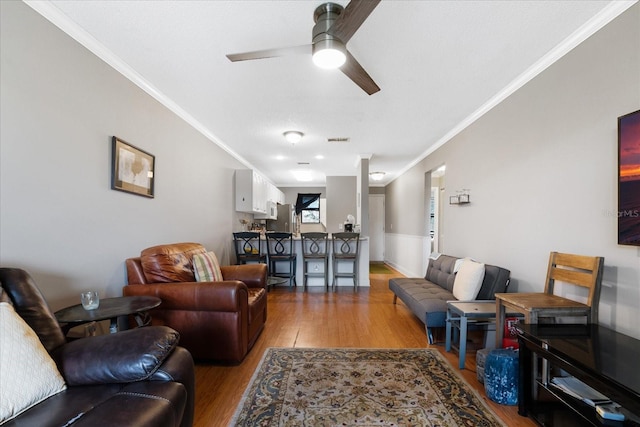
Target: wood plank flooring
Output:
[{"x": 363, "y": 319}]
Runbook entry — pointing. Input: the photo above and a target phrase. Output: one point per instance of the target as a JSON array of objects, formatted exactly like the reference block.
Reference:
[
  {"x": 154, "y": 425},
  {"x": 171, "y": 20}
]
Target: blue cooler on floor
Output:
[{"x": 501, "y": 376}]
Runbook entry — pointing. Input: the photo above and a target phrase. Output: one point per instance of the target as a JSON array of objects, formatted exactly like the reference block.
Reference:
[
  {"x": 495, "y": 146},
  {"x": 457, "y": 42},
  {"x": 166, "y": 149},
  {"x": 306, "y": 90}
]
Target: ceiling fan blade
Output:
[
  {"x": 358, "y": 75},
  {"x": 270, "y": 53},
  {"x": 351, "y": 18}
]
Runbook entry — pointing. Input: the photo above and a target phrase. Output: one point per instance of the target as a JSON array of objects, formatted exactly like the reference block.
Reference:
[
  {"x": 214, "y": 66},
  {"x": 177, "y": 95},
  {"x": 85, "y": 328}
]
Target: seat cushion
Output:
[
  {"x": 426, "y": 300},
  {"x": 170, "y": 263},
  {"x": 257, "y": 303},
  {"x": 148, "y": 403}
]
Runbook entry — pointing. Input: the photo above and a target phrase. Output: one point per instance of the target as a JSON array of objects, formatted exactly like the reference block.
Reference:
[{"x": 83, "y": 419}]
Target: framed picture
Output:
[
  {"x": 454, "y": 200},
  {"x": 132, "y": 169},
  {"x": 629, "y": 179},
  {"x": 463, "y": 198}
]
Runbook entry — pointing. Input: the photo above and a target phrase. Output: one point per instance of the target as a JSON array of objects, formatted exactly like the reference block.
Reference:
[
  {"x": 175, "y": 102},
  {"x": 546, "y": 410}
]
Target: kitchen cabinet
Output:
[
  {"x": 250, "y": 192},
  {"x": 256, "y": 195}
]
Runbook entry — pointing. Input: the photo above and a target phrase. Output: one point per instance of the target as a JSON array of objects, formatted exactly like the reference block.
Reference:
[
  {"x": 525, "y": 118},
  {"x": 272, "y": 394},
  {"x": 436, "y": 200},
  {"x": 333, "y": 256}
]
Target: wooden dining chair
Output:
[{"x": 577, "y": 270}]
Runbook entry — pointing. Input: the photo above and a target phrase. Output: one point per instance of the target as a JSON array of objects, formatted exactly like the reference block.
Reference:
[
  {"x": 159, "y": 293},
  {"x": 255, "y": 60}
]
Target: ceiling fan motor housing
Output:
[{"x": 324, "y": 17}]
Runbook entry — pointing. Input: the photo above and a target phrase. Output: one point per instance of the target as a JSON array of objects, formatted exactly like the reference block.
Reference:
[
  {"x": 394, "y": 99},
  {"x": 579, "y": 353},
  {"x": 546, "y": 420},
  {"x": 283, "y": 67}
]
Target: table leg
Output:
[
  {"x": 500, "y": 315},
  {"x": 526, "y": 380},
  {"x": 447, "y": 339},
  {"x": 462, "y": 354}
]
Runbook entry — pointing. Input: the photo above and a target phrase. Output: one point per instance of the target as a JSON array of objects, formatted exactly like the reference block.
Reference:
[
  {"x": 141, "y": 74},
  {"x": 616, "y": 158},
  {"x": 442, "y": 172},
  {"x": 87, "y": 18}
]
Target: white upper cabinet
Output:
[
  {"x": 250, "y": 191},
  {"x": 256, "y": 195}
]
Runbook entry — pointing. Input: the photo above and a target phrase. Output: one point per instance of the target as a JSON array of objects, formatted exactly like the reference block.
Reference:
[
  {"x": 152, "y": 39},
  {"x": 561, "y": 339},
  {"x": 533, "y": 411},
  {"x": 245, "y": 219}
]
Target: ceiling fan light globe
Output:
[
  {"x": 329, "y": 59},
  {"x": 329, "y": 54}
]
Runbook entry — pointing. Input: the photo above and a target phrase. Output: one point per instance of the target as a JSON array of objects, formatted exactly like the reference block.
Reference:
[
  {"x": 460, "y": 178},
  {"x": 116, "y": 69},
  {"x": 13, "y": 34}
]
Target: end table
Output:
[{"x": 110, "y": 308}]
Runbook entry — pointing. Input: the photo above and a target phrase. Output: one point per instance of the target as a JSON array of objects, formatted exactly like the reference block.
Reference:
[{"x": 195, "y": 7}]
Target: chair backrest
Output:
[
  {"x": 247, "y": 243},
  {"x": 346, "y": 244},
  {"x": 578, "y": 270},
  {"x": 315, "y": 244},
  {"x": 29, "y": 303},
  {"x": 279, "y": 243}
]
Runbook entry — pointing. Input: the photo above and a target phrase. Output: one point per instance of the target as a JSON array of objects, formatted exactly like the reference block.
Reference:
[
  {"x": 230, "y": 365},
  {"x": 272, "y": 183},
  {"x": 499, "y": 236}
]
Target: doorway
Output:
[
  {"x": 435, "y": 209},
  {"x": 376, "y": 227}
]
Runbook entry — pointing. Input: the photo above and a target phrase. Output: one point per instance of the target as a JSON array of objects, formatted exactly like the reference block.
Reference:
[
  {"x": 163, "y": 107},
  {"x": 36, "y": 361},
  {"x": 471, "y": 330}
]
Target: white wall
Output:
[
  {"x": 542, "y": 169},
  {"x": 59, "y": 219}
]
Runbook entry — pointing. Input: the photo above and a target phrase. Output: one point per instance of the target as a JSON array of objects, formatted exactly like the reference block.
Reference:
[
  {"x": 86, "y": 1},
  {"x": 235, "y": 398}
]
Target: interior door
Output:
[{"x": 376, "y": 227}]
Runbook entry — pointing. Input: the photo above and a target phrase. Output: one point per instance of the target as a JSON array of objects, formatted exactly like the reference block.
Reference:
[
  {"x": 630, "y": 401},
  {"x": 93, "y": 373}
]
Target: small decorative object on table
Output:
[{"x": 90, "y": 300}]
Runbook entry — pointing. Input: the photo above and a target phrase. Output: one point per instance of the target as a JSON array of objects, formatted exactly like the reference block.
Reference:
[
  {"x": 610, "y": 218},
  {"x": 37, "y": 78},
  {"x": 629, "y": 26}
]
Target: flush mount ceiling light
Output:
[
  {"x": 293, "y": 136},
  {"x": 376, "y": 176}
]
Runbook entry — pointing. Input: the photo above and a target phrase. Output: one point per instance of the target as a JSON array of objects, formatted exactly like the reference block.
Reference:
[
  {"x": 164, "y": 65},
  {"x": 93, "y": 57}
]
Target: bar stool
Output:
[
  {"x": 346, "y": 247},
  {"x": 315, "y": 248},
  {"x": 247, "y": 245},
  {"x": 280, "y": 249}
]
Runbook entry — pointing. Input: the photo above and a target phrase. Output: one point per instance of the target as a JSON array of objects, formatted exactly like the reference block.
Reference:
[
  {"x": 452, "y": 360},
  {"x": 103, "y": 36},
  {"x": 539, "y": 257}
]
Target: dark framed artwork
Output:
[
  {"x": 132, "y": 169},
  {"x": 629, "y": 179}
]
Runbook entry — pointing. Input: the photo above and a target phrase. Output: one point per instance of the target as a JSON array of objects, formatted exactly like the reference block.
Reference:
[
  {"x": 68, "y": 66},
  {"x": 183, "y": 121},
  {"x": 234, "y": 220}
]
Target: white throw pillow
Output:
[
  {"x": 468, "y": 280},
  {"x": 28, "y": 375}
]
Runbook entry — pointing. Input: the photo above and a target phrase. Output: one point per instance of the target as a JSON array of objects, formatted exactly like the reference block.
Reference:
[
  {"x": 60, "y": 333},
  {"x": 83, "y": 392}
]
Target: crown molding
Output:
[{"x": 54, "y": 15}]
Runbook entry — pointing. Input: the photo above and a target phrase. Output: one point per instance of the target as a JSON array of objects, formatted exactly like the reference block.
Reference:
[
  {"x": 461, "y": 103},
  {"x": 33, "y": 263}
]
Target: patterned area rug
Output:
[{"x": 359, "y": 387}]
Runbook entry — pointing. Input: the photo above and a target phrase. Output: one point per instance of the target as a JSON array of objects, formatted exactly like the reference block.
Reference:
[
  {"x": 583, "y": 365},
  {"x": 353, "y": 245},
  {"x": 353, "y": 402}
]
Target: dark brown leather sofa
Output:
[
  {"x": 138, "y": 377},
  {"x": 217, "y": 321}
]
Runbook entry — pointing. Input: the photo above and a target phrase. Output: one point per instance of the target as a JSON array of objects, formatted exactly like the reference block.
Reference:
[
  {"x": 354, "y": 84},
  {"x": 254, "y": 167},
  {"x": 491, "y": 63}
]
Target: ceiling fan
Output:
[{"x": 334, "y": 27}]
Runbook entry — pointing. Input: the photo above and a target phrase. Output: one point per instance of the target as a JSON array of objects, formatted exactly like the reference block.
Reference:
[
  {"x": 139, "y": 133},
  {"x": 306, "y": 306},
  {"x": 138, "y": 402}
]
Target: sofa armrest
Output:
[
  {"x": 253, "y": 275},
  {"x": 125, "y": 357},
  {"x": 195, "y": 296}
]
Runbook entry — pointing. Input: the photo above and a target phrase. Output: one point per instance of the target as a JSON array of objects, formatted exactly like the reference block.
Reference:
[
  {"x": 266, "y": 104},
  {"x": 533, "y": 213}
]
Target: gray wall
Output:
[
  {"x": 542, "y": 169},
  {"x": 59, "y": 219},
  {"x": 341, "y": 200}
]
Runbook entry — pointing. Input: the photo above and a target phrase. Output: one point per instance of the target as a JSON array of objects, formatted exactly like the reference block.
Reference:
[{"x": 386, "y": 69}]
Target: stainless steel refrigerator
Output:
[{"x": 286, "y": 220}]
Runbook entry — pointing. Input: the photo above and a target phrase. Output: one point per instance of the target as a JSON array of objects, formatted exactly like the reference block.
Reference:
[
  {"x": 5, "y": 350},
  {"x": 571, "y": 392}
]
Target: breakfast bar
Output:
[{"x": 363, "y": 264}]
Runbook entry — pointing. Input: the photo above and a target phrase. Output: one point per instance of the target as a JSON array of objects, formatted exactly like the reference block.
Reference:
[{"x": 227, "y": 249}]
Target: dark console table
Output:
[{"x": 605, "y": 360}]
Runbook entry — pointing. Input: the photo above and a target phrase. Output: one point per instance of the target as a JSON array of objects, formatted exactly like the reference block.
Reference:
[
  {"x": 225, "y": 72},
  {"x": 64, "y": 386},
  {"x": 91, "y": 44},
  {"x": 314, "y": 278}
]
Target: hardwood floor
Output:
[{"x": 364, "y": 319}]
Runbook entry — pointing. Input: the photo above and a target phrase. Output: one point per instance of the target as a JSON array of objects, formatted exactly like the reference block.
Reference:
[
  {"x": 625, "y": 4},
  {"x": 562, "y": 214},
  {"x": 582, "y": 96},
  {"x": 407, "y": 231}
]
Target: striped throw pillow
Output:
[{"x": 207, "y": 268}]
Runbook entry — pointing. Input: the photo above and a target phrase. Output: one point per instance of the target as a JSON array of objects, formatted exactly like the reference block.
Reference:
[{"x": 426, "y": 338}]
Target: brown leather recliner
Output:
[
  {"x": 138, "y": 377},
  {"x": 217, "y": 321}
]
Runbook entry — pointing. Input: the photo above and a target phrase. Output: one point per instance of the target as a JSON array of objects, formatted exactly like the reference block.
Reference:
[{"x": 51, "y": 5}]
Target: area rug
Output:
[
  {"x": 379, "y": 269},
  {"x": 359, "y": 387}
]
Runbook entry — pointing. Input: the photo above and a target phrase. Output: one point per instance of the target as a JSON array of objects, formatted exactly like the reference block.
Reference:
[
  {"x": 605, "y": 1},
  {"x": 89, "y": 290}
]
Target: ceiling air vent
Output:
[{"x": 343, "y": 139}]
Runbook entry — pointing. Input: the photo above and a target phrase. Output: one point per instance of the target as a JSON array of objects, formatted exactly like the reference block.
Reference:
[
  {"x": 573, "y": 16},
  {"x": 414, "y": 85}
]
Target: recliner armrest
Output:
[
  {"x": 228, "y": 296},
  {"x": 124, "y": 357},
  {"x": 252, "y": 275}
]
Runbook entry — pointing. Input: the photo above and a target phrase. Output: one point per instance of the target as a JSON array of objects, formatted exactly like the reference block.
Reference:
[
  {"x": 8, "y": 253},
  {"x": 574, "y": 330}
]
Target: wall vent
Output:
[{"x": 343, "y": 139}]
